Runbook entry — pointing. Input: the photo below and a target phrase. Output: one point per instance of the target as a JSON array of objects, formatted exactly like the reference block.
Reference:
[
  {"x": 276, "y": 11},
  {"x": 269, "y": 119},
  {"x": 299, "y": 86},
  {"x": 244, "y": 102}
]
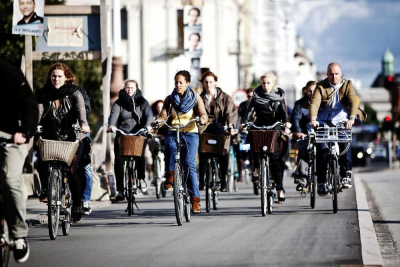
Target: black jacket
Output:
[
  {"x": 18, "y": 107},
  {"x": 299, "y": 117}
]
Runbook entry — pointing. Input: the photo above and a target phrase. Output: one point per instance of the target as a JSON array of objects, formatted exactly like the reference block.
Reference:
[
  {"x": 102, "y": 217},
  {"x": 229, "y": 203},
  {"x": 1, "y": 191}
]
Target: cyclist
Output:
[
  {"x": 181, "y": 106},
  {"x": 333, "y": 101},
  {"x": 18, "y": 122},
  {"x": 300, "y": 128},
  {"x": 85, "y": 167},
  {"x": 243, "y": 134},
  {"x": 60, "y": 106},
  {"x": 268, "y": 105},
  {"x": 130, "y": 113},
  {"x": 220, "y": 105}
]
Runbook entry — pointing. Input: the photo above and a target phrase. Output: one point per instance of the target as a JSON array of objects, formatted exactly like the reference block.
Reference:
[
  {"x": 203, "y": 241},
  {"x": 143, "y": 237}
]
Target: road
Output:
[{"x": 234, "y": 235}]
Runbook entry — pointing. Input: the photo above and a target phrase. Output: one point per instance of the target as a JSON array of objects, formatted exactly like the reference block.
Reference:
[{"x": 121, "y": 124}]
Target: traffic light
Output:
[
  {"x": 389, "y": 82},
  {"x": 387, "y": 124}
]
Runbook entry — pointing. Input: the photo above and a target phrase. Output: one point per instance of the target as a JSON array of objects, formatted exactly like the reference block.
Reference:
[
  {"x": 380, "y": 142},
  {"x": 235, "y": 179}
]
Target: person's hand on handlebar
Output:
[
  {"x": 111, "y": 129},
  {"x": 86, "y": 129},
  {"x": 18, "y": 138},
  {"x": 349, "y": 124},
  {"x": 314, "y": 123},
  {"x": 300, "y": 136},
  {"x": 287, "y": 127},
  {"x": 203, "y": 120}
]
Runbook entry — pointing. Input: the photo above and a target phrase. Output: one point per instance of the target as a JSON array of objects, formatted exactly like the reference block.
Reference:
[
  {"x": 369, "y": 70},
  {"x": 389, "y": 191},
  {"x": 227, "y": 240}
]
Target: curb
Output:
[{"x": 370, "y": 251}]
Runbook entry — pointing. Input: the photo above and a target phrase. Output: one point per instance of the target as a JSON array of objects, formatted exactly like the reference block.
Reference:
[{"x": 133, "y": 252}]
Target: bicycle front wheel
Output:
[
  {"x": 231, "y": 174},
  {"x": 312, "y": 183},
  {"x": 263, "y": 189},
  {"x": 129, "y": 193},
  {"x": 178, "y": 196},
  {"x": 208, "y": 181},
  {"x": 54, "y": 202},
  {"x": 67, "y": 204},
  {"x": 157, "y": 175},
  {"x": 334, "y": 182},
  {"x": 5, "y": 251},
  {"x": 216, "y": 177}
]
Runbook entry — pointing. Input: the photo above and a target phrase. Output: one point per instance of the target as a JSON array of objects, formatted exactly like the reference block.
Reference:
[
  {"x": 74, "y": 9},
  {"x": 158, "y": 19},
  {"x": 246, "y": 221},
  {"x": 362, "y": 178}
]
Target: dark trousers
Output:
[
  {"x": 223, "y": 161},
  {"x": 322, "y": 161},
  {"x": 119, "y": 167}
]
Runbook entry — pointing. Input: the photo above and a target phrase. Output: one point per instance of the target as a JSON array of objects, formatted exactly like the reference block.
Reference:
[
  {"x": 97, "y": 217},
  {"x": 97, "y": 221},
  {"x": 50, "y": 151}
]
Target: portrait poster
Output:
[{"x": 28, "y": 17}]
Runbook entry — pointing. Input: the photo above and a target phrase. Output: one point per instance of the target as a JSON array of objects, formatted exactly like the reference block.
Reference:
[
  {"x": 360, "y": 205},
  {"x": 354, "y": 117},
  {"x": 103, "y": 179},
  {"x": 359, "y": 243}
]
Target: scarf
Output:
[
  {"x": 129, "y": 102},
  {"x": 49, "y": 93},
  {"x": 186, "y": 103},
  {"x": 261, "y": 97}
]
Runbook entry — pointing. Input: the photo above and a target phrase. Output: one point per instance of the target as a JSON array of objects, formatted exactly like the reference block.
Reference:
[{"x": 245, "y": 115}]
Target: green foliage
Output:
[{"x": 371, "y": 115}]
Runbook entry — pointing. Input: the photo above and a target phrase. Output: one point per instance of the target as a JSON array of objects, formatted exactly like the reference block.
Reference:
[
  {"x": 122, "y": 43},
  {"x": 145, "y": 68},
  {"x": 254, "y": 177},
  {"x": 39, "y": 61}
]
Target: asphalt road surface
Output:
[{"x": 234, "y": 235}]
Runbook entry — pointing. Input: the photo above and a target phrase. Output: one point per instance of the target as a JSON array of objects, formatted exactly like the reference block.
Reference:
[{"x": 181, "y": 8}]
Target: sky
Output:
[{"x": 353, "y": 33}]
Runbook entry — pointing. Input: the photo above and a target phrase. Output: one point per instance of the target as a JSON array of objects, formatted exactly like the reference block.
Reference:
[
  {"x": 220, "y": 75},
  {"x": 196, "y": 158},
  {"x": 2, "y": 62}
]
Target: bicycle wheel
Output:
[
  {"x": 67, "y": 204},
  {"x": 157, "y": 175},
  {"x": 188, "y": 208},
  {"x": 312, "y": 183},
  {"x": 334, "y": 179},
  {"x": 178, "y": 197},
  {"x": 263, "y": 189},
  {"x": 216, "y": 176},
  {"x": 208, "y": 183},
  {"x": 231, "y": 174},
  {"x": 5, "y": 251},
  {"x": 54, "y": 201},
  {"x": 129, "y": 171}
]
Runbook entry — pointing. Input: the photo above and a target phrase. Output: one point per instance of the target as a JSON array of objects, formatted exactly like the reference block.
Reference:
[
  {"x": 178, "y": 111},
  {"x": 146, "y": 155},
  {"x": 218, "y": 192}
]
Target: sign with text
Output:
[
  {"x": 65, "y": 32},
  {"x": 28, "y": 17}
]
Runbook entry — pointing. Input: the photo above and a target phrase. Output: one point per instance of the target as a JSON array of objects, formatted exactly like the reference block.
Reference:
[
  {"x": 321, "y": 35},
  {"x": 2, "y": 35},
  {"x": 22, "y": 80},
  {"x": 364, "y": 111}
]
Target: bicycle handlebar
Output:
[
  {"x": 143, "y": 130},
  {"x": 7, "y": 142},
  {"x": 251, "y": 124},
  {"x": 175, "y": 127}
]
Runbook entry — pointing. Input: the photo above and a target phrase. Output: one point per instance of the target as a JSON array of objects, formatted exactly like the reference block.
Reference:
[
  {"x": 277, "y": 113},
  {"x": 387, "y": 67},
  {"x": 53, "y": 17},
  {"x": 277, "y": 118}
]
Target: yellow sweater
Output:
[{"x": 184, "y": 118}]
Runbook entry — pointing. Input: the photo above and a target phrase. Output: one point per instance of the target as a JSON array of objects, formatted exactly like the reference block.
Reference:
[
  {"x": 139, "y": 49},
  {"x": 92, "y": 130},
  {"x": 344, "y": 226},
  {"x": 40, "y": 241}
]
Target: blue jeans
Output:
[
  {"x": 86, "y": 175},
  {"x": 188, "y": 157}
]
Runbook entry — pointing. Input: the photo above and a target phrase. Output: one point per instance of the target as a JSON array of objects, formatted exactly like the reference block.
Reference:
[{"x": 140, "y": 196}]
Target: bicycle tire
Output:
[
  {"x": 130, "y": 177},
  {"x": 178, "y": 197},
  {"x": 216, "y": 177},
  {"x": 67, "y": 203},
  {"x": 53, "y": 204},
  {"x": 269, "y": 202},
  {"x": 208, "y": 185},
  {"x": 5, "y": 253},
  {"x": 312, "y": 184},
  {"x": 263, "y": 189},
  {"x": 188, "y": 208},
  {"x": 156, "y": 176},
  {"x": 231, "y": 174},
  {"x": 335, "y": 180}
]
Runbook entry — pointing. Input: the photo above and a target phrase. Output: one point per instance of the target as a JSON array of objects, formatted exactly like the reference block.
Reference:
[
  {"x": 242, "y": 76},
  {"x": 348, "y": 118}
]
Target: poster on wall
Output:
[
  {"x": 28, "y": 17},
  {"x": 192, "y": 41},
  {"x": 64, "y": 31}
]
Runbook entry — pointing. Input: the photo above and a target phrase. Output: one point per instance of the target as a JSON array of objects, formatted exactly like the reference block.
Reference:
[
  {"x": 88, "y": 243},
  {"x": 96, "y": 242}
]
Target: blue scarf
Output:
[{"x": 187, "y": 103}]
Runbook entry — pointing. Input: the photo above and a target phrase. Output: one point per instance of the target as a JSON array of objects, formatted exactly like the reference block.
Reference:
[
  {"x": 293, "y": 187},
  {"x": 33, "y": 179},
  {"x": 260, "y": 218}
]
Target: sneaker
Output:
[
  {"x": 86, "y": 207},
  {"x": 322, "y": 190},
  {"x": 43, "y": 196},
  {"x": 21, "y": 250},
  {"x": 346, "y": 181},
  {"x": 143, "y": 186},
  {"x": 120, "y": 196},
  {"x": 77, "y": 214}
]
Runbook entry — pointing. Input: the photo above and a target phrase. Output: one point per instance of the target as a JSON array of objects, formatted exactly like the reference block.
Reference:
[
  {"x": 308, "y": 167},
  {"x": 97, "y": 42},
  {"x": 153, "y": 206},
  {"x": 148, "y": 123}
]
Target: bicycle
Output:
[
  {"x": 59, "y": 155},
  {"x": 131, "y": 147},
  {"x": 5, "y": 243},
  {"x": 212, "y": 146},
  {"x": 182, "y": 202},
  {"x": 263, "y": 141},
  {"x": 232, "y": 175},
  {"x": 331, "y": 136},
  {"x": 156, "y": 149}
]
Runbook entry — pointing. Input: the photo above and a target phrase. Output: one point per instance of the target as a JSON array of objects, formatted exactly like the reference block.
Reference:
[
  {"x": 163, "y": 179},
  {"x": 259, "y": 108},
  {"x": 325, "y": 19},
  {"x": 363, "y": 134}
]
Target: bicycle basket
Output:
[
  {"x": 262, "y": 138},
  {"x": 155, "y": 145},
  {"x": 212, "y": 144},
  {"x": 57, "y": 150},
  {"x": 333, "y": 134},
  {"x": 131, "y": 145}
]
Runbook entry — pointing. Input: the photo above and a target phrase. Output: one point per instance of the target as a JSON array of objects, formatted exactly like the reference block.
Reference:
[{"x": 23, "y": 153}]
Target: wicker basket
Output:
[
  {"x": 261, "y": 138},
  {"x": 131, "y": 145},
  {"x": 57, "y": 150},
  {"x": 212, "y": 144}
]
